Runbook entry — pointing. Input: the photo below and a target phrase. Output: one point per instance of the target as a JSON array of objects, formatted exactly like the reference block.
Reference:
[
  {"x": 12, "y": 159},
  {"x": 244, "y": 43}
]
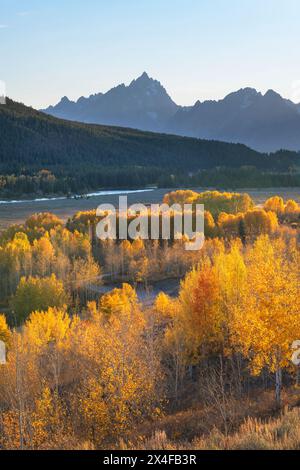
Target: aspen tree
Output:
[{"x": 267, "y": 321}]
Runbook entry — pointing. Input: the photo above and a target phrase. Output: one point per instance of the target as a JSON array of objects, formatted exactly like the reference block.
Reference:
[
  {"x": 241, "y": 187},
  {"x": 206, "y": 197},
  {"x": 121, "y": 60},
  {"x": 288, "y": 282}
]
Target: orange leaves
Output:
[
  {"x": 196, "y": 316},
  {"x": 241, "y": 298},
  {"x": 249, "y": 225},
  {"x": 292, "y": 207},
  {"x": 10, "y": 435},
  {"x": 204, "y": 296},
  {"x": 204, "y": 315},
  {"x": 274, "y": 204},
  {"x": 44, "y": 220},
  {"x": 287, "y": 213}
]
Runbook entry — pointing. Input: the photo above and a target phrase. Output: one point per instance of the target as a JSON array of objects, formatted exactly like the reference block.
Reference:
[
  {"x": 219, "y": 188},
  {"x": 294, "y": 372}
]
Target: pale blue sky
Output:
[{"x": 198, "y": 49}]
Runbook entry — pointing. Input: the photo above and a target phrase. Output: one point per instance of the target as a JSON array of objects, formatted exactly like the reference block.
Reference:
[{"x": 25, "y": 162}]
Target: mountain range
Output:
[
  {"x": 265, "y": 122},
  {"x": 144, "y": 104}
]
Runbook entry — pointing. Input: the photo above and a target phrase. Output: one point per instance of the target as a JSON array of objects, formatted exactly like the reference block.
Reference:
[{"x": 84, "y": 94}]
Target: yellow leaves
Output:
[
  {"x": 101, "y": 373},
  {"x": 44, "y": 220},
  {"x": 43, "y": 247},
  {"x": 39, "y": 250},
  {"x": 5, "y": 334},
  {"x": 126, "y": 247},
  {"x": 46, "y": 327},
  {"x": 95, "y": 411},
  {"x": 241, "y": 298},
  {"x": 120, "y": 387},
  {"x": 19, "y": 244},
  {"x": 119, "y": 302},
  {"x": 209, "y": 225},
  {"x": 266, "y": 322},
  {"x": 84, "y": 272},
  {"x": 291, "y": 212},
  {"x": 232, "y": 274},
  {"x": 38, "y": 294},
  {"x": 249, "y": 225},
  {"x": 48, "y": 419},
  {"x": 43, "y": 255},
  {"x": 274, "y": 204},
  {"x": 292, "y": 207},
  {"x": 82, "y": 221},
  {"x": 10, "y": 435},
  {"x": 214, "y": 201},
  {"x": 164, "y": 306},
  {"x": 180, "y": 197},
  {"x": 259, "y": 222},
  {"x": 138, "y": 245},
  {"x": 92, "y": 309},
  {"x": 72, "y": 244}
]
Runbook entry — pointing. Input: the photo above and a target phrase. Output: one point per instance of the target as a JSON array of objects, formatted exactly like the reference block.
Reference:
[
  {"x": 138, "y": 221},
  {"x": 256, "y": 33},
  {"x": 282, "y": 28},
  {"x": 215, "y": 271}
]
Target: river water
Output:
[{"x": 18, "y": 211}]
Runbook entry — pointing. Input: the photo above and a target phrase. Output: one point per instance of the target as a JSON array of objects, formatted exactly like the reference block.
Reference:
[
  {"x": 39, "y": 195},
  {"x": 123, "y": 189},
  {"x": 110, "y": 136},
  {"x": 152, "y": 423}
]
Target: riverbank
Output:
[{"x": 16, "y": 212}]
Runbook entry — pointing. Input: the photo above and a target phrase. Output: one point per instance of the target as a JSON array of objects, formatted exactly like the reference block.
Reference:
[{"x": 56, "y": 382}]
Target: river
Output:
[{"x": 17, "y": 211}]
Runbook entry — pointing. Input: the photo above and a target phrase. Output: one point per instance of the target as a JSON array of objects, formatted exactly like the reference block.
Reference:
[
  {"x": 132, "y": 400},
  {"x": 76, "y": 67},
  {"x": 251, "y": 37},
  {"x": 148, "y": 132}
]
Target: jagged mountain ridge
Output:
[
  {"x": 144, "y": 104},
  {"x": 266, "y": 122}
]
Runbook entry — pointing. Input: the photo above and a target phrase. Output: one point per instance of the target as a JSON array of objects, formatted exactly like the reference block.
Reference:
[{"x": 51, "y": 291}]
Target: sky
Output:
[{"x": 198, "y": 49}]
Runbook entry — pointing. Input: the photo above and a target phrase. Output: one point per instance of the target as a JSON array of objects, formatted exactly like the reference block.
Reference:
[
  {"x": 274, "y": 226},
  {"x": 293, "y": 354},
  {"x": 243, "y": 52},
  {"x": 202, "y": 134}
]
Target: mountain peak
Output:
[
  {"x": 243, "y": 92},
  {"x": 264, "y": 121},
  {"x": 144, "y": 76},
  {"x": 65, "y": 100},
  {"x": 273, "y": 94},
  {"x": 143, "y": 104},
  {"x": 242, "y": 98},
  {"x": 143, "y": 79},
  {"x": 248, "y": 91}
]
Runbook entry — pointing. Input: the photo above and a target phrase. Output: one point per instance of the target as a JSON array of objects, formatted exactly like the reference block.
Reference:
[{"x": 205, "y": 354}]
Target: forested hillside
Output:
[{"x": 82, "y": 157}]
